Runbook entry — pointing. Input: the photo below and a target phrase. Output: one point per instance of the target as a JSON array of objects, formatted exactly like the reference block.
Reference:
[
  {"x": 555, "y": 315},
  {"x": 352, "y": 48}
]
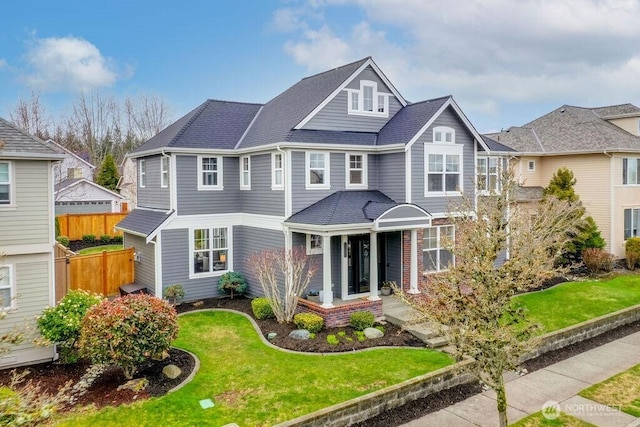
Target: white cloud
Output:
[
  {"x": 3, "y": 63},
  {"x": 67, "y": 63},
  {"x": 489, "y": 53}
]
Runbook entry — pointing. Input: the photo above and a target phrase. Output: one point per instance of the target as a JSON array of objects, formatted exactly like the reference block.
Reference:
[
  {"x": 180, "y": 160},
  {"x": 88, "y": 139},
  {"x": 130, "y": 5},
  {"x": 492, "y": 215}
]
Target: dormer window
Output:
[
  {"x": 444, "y": 135},
  {"x": 367, "y": 101}
]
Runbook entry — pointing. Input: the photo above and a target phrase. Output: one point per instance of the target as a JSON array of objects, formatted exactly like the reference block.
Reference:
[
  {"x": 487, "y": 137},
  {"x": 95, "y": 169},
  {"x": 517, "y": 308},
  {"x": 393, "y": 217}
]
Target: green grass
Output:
[
  {"x": 538, "y": 420},
  {"x": 620, "y": 391},
  {"x": 575, "y": 302},
  {"x": 98, "y": 249},
  {"x": 252, "y": 384}
]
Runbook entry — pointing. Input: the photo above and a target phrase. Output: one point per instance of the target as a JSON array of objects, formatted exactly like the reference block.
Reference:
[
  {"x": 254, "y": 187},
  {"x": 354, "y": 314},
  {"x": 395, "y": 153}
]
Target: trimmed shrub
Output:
[
  {"x": 63, "y": 240},
  {"x": 309, "y": 321},
  {"x": 232, "y": 282},
  {"x": 173, "y": 293},
  {"x": 595, "y": 259},
  {"x": 61, "y": 324},
  {"x": 128, "y": 331},
  {"x": 117, "y": 239},
  {"x": 105, "y": 239},
  {"x": 262, "y": 308},
  {"x": 361, "y": 320},
  {"x": 89, "y": 238},
  {"x": 632, "y": 252}
]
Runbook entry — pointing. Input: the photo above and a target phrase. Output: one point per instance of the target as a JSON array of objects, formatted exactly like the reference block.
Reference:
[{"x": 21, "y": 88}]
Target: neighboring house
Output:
[
  {"x": 601, "y": 146},
  {"x": 75, "y": 191},
  {"x": 340, "y": 163},
  {"x": 26, "y": 235},
  {"x": 128, "y": 181}
]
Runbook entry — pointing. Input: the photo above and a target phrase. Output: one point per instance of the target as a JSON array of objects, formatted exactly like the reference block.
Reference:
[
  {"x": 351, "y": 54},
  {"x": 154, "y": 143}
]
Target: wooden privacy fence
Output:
[
  {"x": 101, "y": 273},
  {"x": 74, "y": 226}
]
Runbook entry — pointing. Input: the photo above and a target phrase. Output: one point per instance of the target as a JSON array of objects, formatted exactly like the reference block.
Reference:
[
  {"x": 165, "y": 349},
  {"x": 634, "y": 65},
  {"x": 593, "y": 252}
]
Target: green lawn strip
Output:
[
  {"x": 622, "y": 391},
  {"x": 98, "y": 249},
  {"x": 253, "y": 384},
  {"x": 538, "y": 420},
  {"x": 575, "y": 302}
]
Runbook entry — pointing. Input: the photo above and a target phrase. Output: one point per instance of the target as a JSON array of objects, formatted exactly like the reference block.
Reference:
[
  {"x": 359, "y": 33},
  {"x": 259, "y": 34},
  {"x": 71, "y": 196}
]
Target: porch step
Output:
[
  {"x": 436, "y": 342},
  {"x": 423, "y": 332}
]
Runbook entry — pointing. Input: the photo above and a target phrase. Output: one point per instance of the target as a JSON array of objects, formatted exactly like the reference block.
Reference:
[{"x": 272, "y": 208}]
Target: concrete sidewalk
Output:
[{"x": 556, "y": 384}]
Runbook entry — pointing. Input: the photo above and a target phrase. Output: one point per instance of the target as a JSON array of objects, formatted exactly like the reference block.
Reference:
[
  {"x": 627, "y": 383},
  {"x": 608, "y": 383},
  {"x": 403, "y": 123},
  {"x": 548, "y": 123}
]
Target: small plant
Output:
[
  {"x": 128, "y": 331},
  {"x": 61, "y": 324},
  {"x": 63, "y": 240},
  {"x": 261, "y": 308},
  {"x": 595, "y": 259},
  {"x": 632, "y": 252},
  {"x": 312, "y": 336},
  {"x": 342, "y": 334},
  {"x": 89, "y": 238},
  {"x": 360, "y": 336},
  {"x": 116, "y": 239},
  {"x": 232, "y": 282},
  {"x": 173, "y": 293},
  {"x": 361, "y": 320},
  {"x": 309, "y": 321},
  {"x": 332, "y": 339},
  {"x": 105, "y": 239},
  {"x": 380, "y": 328}
]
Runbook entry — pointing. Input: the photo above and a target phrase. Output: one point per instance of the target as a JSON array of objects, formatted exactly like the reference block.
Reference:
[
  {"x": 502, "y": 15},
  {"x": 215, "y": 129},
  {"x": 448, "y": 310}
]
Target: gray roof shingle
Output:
[
  {"x": 14, "y": 142},
  {"x": 345, "y": 207},
  {"x": 143, "y": 221},
  {"x": 409, "y": 120},
  {"x": 571, "y": 129}
]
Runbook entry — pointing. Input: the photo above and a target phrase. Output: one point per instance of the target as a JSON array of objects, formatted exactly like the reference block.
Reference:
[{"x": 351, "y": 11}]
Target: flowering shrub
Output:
[
  {"x": 128, "y": 331},
  {"x": 61, "y": 324}
]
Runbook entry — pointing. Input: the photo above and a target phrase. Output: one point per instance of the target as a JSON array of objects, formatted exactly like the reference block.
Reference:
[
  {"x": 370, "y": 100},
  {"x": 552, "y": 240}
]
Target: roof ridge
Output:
[
  {"x": 33, "y": 137},
  {"x": 336, "y": 68}
]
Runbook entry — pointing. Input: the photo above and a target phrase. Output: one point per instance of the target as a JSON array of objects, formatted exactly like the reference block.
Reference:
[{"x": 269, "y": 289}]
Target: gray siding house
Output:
[
  {"x": 26, "y": 236},
  {"x": 339, "y": 163}
]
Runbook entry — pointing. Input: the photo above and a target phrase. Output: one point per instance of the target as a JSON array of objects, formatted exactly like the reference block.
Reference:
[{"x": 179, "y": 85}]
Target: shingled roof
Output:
[
  {"x": 143, "y": 221},
  {"x": 16, "y": 143},
  {"x": 570, "y": 129},
  {"x": 409, "y": 120}
]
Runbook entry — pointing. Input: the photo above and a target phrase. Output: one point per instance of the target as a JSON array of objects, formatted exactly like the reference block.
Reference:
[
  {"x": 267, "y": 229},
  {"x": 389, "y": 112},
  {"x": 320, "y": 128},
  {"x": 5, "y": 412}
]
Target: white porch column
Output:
[
  {"x": 326, "y": 272},
  {"x": 413, "y": 278},
  {"x": 373, "y": 266}
]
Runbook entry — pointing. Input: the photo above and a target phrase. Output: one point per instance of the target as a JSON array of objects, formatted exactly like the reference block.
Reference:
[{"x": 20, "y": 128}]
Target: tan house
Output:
[{"x": 601, "y": 146}]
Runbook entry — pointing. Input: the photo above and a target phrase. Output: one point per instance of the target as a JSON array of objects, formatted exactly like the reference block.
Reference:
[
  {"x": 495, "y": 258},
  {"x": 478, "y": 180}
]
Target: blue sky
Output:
[{"x": 505, "y": 62}]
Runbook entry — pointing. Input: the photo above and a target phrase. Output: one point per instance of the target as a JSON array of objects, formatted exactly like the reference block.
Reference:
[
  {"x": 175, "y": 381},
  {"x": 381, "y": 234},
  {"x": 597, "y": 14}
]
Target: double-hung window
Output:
[
  {"x": 5, "y": 183},
  {"x": 7, "y": 291},
  {"x": 631, "y": 223},
  {"x": 356, "y": 170},
  {"x": 317, "y": 165},
  {"x": 277, "y": 171},
  {"x": 245, "y": 173},
  {"x": 434, "y": 256},
  {"x": 488, "y": 170},
  {"x": 367, "y": 100},
  {"x": 314, "y": 244},
  {"x": 164, "y": 172},
  {"x": 210, "y": 248},
  {"x": 209, "y": 173},
  {"x": 631, "y": 171},
  {"x": 142, "y": 165},
  {"x": 443, "y": 163}
]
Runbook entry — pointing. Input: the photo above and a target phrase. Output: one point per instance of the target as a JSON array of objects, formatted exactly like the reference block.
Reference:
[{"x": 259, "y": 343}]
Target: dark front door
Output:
[{"x": 359, "y": 264}]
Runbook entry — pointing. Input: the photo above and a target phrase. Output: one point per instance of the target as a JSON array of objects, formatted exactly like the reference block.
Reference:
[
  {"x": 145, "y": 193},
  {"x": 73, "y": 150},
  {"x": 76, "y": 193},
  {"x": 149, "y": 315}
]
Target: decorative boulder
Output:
[
  {"x": 300, "y": 334},
  {"x": 373, "y": 333},
  {"x": 136, "y": 385},
  {"x": 171, "y": 371}
]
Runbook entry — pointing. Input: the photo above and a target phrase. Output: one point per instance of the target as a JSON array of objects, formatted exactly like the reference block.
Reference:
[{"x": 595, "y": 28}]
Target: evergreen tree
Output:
[
  {"x": 561, "y": 186},
  {"x": 108, "y": 175}
]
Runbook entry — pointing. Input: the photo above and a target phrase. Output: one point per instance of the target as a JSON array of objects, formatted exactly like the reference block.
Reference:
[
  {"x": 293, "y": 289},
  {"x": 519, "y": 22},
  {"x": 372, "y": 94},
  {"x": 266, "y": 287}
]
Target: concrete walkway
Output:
[{"x": 557, "y": 384}]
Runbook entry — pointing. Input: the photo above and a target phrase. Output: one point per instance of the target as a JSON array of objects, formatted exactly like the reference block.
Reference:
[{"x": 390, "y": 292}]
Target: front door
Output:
[{"x": 358, "y": 264}]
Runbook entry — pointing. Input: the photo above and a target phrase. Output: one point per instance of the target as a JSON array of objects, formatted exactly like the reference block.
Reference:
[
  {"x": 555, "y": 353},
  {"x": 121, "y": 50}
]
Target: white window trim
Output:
[
  {"x": 316, "y": 250},
  {"x": 499, "y": 166},
  {"x": 219, "y": 171},
  {"x": 443, "y": 149},
  {"x": 438, "y": 249},
  {"x": 274, "y": 185},
  {"x": 213, "y": 273},
  {"x": 12, "y": 304},
  {"x": 142, "y": 173},
  {"x": 444, "y": 130},
  {"x": 165, "y": 165},
  {"x": 12, "y": 192},
  {"x": 365, "y": 183},
  {"x": 531, "y": 165},
  {"x": 360, "y": 111},
  {"x": 624, "y": 238},
  {"x": 626, "y": 178},
  {"x": 327, "y": 170},
  {"x": 246, "y": 186}
]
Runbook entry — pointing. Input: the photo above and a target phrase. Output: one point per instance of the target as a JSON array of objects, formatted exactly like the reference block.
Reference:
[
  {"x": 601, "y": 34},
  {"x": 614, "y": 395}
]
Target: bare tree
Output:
[
  {"x": 30, "y": 115},
  {"x": 291, "y": 267},
  {"x": 146, "y": 115},
  {"x": 471, "y": 301}
]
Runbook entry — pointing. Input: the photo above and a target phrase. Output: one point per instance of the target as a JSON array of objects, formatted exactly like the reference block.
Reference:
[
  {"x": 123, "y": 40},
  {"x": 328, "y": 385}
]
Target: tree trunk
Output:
[{"x": 501, "y": 401}]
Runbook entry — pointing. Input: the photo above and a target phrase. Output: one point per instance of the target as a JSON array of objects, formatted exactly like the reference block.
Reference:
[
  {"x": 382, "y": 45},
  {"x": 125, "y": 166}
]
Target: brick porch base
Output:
[{"x": 339, "y": 315}]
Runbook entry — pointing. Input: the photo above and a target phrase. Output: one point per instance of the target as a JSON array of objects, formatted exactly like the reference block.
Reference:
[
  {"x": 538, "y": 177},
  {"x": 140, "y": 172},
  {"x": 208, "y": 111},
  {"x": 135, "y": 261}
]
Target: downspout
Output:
[{"x": 285, "y": 182}]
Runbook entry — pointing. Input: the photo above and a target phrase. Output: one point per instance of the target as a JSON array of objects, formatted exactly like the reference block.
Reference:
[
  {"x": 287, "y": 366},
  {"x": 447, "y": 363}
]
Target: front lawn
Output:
[
  {"x": 621, "y": 391},
  {"x": 575, "y": 302},
  {"x": 253, "y": 384},
  {"x": 98, "y": 249},
  {"x": 538, "y": 420}
]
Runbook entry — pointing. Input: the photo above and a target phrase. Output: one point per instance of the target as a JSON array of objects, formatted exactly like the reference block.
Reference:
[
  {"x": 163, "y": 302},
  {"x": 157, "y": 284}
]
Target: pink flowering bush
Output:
[{"x": 128, "y": 331}]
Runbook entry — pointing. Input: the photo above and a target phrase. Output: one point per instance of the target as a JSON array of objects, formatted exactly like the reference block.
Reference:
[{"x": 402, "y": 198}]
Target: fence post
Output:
[{"x": 105, "y": 273}]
